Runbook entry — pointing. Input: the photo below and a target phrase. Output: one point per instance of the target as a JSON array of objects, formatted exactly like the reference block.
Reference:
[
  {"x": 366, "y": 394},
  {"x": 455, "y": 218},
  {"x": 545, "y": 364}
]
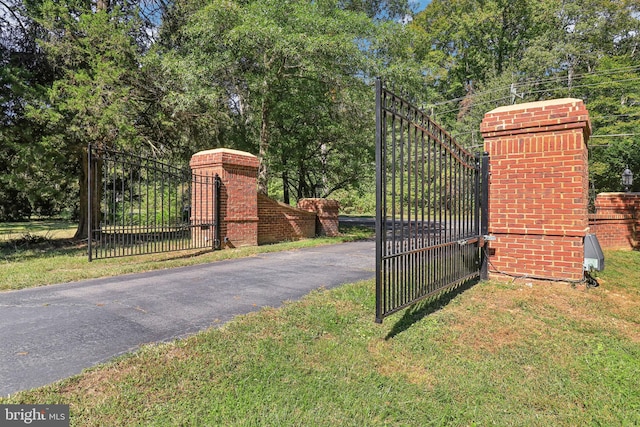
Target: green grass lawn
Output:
[
  {"x": 497, "y": 353},
  {"x": 29, "y": 260},
  {"x": 51, "y": 229}
]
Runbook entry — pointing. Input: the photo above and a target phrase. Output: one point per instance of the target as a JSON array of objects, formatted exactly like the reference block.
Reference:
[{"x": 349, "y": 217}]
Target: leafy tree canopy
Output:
[
  {"x": 290, "y": 81},
  {"x": 485, "y": 54}
]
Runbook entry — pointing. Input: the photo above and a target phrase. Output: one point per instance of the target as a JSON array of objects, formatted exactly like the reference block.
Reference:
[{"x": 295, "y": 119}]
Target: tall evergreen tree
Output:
[{"x": 94, "y": 61}]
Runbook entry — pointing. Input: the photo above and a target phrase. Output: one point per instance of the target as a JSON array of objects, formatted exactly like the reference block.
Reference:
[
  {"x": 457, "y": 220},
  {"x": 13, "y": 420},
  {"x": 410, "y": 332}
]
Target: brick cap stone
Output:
[
  {"x": 619, "y": 194},
  {"x": 537, "y": 104},
  {"x": 535, "y": 117},
  {"x": 319, "y": 205},
  {"x": 224, "y": 156},
  {"x": 225, "y": 151}
]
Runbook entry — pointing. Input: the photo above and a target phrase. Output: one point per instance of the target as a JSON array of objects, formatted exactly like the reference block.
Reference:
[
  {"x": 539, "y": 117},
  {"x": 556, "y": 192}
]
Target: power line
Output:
[
  {"x": 608, "y": 116},
  {"x": 532, "y": 82},
  {"x": 589, "y": 85},
  {"x": 583, "y": 75},
  {"x": 541, "y": 91},
  {"x": 616, "y": 135}
]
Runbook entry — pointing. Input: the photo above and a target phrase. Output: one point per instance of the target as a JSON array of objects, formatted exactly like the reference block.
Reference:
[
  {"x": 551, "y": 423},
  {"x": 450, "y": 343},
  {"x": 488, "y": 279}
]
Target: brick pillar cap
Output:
[
  {"x": 537, "y": 104},
  {"x": 552, "y": 115},
  {"x": 619, "y": 194},
  {"x": 224, "y": 151},
  {"x": 225, "y": 156}
]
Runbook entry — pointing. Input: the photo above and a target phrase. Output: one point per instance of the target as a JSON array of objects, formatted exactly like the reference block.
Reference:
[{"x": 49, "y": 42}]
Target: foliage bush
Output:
[{"x": 14, "y": 205}]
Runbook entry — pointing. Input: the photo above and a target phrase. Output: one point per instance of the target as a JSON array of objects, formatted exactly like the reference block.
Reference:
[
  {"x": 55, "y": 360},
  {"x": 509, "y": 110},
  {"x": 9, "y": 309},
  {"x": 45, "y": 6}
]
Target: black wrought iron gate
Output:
[
  {"x": 430, "y": 198},
  {"x": 147, "y": 206}
]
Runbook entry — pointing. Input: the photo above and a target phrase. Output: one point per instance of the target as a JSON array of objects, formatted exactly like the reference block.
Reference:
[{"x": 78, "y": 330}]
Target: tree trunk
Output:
[
  {"x": 102, "y": 4},
  {"x": 96, "y": 174},
  {"x": 263, "y": 176},
  {"x": 285, "y": 187}
]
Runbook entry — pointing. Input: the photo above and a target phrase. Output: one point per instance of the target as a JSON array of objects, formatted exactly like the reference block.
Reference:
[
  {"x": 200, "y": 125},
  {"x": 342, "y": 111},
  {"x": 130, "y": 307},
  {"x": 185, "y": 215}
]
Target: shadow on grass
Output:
[
  {"x": 35, "y": 247},
  {"x": 422, "y": 309},
  {"x": 194, "y": 253}
]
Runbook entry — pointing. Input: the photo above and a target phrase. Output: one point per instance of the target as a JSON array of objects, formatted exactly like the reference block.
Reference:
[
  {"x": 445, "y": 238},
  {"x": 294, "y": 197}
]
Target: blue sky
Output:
[{"x": 421, "y": 4}]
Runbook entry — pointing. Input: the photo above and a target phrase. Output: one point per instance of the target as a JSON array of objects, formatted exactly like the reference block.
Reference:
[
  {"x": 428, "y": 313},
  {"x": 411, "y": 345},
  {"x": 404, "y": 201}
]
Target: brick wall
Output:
[
  {"x": 247, "y": 218},
  {"x": 616, "y": 222},
  {"x": 280, "y": 222},
  {"x": 538, "y": 188},
  {"x": 238, "y": 194},
  {"x": 327, "y": 222}
]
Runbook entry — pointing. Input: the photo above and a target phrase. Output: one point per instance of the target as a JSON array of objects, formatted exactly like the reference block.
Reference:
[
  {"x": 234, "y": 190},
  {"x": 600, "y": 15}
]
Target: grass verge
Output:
[
  {"x": 34, "y": 260},
  {"x": 517, "y": 354},
  {"x": 49, "y": 228}
]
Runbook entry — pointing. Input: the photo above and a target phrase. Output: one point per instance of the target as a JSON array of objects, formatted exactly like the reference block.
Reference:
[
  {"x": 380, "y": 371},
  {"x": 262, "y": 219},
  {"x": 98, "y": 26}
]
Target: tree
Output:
[
  {"x": 24, "y": 71},
  {"x": 248, "y": 56},
  {"x": 471, "y": 40},
  {"x": 379, "y": 9},
  {"x": 94, "y": 60},
  {"x": 530, "y": 50},
  {"x": 613, "y": 105},
  {"x": 324, "y": 138}
]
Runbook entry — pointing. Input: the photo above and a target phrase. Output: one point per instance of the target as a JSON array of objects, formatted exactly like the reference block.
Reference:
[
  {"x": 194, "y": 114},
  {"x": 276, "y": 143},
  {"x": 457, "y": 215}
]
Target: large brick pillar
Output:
[
  {"x": 238, "y": 172},
  {"x": 538, "y": 188}
]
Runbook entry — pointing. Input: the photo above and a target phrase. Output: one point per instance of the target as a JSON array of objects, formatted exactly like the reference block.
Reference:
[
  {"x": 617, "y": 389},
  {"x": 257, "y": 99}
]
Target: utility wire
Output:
[
  {"x": 532, "y": 82},
  {"x": 539, "y": 91},
  {"x": 615, "y": 135}
]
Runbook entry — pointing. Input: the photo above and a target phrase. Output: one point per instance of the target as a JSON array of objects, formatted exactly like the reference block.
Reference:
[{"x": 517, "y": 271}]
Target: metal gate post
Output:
[
  {"x": 380, "y": 226},
  {"x": 217, "y": 182},
  {"x": 89, "y": 205},
  {"x": 484, "y": 215}
]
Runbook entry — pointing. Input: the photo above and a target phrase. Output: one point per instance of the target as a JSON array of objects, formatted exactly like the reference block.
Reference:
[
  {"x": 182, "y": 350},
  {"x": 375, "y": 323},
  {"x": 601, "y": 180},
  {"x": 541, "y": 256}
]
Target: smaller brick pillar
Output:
[
  {"x": 327, "y": 215},
  {"x": 238, "y": 172},
  {"x": 538, "y": 188},
  {"x": 617, "y": 220}
]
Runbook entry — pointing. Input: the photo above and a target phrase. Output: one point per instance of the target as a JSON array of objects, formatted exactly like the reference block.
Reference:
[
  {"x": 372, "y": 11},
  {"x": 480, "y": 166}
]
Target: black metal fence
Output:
[
  {"x": 147, "y": 206},
  {"x": 429, "y": 195}
]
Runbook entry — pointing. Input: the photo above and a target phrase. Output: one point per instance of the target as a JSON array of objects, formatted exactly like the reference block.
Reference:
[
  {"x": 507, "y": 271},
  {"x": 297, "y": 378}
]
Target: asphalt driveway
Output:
[{"x": 53, "y": 332}]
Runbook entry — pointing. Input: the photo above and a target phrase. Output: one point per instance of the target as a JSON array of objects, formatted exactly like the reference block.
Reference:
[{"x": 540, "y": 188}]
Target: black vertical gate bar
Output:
[
  {"x": 165, "y": 218},
  {"x": 484, "y": 227},
  {"x": 393, "y": 262},
  {"x": 105, "y": 171},
  {"x": 89, "y": 205},
  {"x": 380, "y": 203},
  {"x": 217, "y": 183},
  {"x": 121, "y": 224}
]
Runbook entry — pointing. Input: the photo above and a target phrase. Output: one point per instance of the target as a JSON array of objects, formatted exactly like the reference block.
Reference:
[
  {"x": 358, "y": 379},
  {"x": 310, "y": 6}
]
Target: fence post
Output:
[
  {"x": 484, "y": 216},
  {"x": 539, "y": 188},
  {"x": 380, "y": 220},
  {"x": 89, "y": 205},
  {"x": 238, "y": 201}
]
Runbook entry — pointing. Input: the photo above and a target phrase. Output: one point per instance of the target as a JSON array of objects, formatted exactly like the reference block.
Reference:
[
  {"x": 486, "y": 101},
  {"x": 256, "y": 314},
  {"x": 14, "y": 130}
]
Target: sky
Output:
[{"x": 421, "y": 4}]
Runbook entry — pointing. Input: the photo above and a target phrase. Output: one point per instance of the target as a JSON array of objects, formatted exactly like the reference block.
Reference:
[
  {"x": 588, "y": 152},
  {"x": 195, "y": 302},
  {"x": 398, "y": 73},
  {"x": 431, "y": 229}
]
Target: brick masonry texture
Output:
[
  {"x": 280, "y": 222},
  {"x": 327, "y": 215},
  {"x": 616, "y": 222},
  {"x": 538, "y": 188},
  {"x": 238, "y": 193},
  {"x": 248, "y": 218}
]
